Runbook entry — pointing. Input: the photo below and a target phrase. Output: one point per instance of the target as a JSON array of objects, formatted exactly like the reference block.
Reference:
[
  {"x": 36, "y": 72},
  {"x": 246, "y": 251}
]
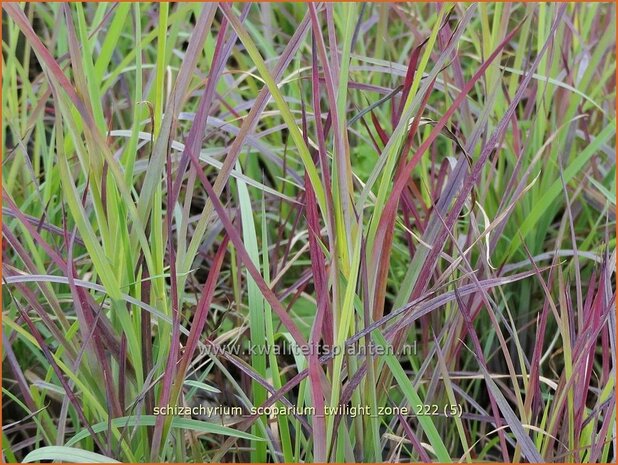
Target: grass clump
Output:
[{"x": 308, "y": 232}]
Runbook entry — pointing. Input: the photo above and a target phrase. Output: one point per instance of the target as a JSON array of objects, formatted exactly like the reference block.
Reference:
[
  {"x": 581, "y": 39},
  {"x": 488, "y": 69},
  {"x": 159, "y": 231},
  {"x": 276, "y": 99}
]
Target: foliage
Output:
[{"x": 183, "y": 182}]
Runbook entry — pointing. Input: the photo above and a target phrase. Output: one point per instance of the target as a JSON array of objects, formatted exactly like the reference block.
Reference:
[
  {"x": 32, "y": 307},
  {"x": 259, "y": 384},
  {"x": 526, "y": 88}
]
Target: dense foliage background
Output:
[{"x": 185, "y": 182}]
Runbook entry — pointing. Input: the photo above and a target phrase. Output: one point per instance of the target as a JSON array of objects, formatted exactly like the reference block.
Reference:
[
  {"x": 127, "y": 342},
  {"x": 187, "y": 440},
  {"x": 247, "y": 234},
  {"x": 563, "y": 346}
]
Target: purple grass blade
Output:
[{"x": 268, "y": 294}]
